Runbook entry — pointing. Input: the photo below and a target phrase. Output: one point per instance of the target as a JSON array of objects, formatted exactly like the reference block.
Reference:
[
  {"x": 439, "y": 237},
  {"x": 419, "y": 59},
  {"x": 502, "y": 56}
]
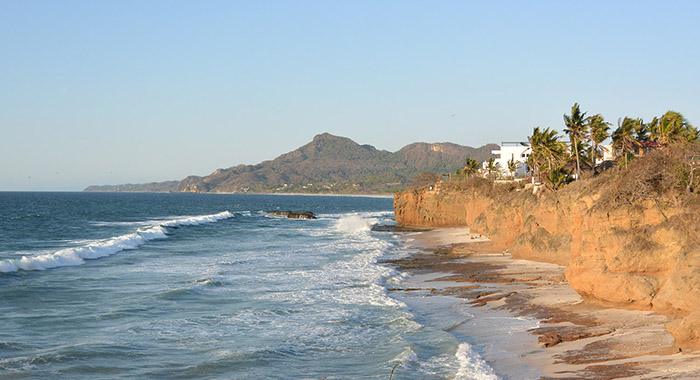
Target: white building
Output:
[
  {"x": 516, "y": 151},
  {"x": 607, "y": 154}
]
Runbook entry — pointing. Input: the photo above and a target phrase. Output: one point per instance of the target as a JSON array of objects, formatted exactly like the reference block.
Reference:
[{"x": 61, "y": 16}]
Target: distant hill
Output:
[
  {"x": 328, "y": 164},
  {"x": 154, "y": 187}
]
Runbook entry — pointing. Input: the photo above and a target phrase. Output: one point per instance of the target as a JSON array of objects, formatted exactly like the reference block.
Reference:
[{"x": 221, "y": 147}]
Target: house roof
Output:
[{"x": 651, "y": 144}]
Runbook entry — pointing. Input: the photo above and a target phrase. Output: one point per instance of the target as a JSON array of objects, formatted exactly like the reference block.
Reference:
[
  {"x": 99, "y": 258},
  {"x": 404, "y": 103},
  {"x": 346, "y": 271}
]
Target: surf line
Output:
[{"x": 102, "y": 248}]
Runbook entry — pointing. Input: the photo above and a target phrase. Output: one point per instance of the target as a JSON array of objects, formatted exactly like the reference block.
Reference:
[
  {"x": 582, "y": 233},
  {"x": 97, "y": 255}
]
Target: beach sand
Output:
[{"x": 576, "y": 339}]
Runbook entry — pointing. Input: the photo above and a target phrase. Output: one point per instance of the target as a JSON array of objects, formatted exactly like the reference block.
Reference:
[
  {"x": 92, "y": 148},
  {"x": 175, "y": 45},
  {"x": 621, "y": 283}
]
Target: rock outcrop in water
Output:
[
  {"x": 294, "y": 214},
  {"x": 628, "y": 239}
]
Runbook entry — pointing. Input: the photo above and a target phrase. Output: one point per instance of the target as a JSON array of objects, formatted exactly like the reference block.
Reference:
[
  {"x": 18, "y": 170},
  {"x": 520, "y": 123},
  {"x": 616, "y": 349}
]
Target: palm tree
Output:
[
  {"x": 545, "y": 150},
  {"x": 582, "y": 147},
  {"x": 470, "y": 167},
  {"x": 512, "y": 167},
  {"x": 491, "y": 166},
  {"x": 642, "y": 131},
  {"x": 597, "y": 133},
  {"x": 625, "y": 137},
  {"x": 576, "y": 129},
  {"x": 559, "y": 177},
  {"x": 672, "y": 128}
]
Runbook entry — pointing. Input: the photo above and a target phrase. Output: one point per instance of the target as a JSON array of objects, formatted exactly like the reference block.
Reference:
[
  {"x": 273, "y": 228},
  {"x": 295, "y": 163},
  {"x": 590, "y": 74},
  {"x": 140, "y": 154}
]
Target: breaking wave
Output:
[
  {"x": 102, "y": 248},
  {"x": 471, "y": 365},
  {"x": 353, "y": 224}
]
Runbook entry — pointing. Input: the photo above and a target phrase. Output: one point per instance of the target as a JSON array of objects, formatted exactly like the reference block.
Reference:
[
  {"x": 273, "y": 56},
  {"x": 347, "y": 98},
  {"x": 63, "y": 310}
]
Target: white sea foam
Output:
[
  {"x": 94, "y": 250},
  {"x": 471, "y": 365},
  {"x": 355, "y": 280},
  {"x": 352, "y": 224}
]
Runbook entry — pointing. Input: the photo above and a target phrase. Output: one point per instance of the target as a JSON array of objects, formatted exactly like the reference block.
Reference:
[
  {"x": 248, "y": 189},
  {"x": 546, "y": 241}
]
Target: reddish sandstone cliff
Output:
[{"x": 641, "y": 254}]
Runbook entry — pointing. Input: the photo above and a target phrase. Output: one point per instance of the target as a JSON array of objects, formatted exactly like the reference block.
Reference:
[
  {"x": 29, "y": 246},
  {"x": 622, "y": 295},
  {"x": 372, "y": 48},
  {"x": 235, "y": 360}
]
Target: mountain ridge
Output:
[{"x": 327, "y": 164}]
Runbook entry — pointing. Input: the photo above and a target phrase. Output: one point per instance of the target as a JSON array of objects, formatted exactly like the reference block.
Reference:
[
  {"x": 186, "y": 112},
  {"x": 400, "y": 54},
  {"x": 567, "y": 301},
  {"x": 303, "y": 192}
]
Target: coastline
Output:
[
  {"x": 573, "y": 338},
  {"x": 391, "y": 196},
  {"x": 227, "y": 193}
]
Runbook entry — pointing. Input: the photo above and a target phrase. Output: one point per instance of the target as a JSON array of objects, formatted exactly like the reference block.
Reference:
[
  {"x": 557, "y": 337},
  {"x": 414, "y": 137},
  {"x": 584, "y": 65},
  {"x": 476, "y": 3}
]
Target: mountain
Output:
[
  {"x": 328, "y": 164},
  {"x": 155, "y": 187}
]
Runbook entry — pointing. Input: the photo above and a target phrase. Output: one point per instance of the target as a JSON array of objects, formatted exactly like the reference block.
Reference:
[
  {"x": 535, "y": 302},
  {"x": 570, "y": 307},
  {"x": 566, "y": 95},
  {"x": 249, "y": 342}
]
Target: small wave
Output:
[
  {"x": 455, "y": 325},
  {"x": 210, "y": 282},
  {"x": 471, "y": 365},
  {"x": 109, "y": 224},
  {"x": 95, "y": 250},
  {"x": 196, "y": 220},
  {"x": 407, "y": 355},
  {"x": 27, "y": 216}
]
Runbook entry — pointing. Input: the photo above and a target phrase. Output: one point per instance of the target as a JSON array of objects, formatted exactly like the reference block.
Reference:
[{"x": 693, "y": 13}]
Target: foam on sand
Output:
[{"x": 471, "y": 365}]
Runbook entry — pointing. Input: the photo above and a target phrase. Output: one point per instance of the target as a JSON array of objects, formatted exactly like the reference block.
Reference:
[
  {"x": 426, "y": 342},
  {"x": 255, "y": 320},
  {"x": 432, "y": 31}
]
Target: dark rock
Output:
[
  {"x": 397, "y": 228},
  {"x": 301, "y": 215},
  {"x": 294, "y": 214},
  {"x": 550, "y": 339}
]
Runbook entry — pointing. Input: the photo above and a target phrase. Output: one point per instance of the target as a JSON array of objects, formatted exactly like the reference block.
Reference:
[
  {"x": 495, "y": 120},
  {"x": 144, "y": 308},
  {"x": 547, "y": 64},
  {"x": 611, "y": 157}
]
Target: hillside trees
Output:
[
  {"x": 586, "y": 135},
  {"x": 423, "y": 179}
]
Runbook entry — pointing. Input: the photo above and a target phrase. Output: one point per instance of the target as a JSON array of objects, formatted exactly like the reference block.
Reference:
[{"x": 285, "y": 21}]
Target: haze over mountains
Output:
[{"x": 328, "y": 164}]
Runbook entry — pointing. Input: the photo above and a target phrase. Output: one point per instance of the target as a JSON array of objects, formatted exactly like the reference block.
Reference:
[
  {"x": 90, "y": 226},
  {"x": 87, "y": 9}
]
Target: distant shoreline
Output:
[
  {"x": 179, "y": 192},
  {"x": 319, "y": 195}
]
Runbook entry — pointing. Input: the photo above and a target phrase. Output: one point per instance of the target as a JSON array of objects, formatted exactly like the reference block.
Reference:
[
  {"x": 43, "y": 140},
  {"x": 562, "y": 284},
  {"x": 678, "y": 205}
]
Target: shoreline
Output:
[
  {"x": 575, "y": 339},
  {"x": 222, "y": 193}
]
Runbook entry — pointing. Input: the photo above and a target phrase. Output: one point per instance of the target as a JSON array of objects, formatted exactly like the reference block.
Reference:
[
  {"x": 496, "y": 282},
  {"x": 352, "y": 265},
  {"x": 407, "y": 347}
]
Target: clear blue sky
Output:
[{"x": 110, "y": 92}]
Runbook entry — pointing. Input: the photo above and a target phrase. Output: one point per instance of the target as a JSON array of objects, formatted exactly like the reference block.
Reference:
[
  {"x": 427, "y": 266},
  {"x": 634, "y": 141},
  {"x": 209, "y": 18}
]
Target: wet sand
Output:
[{"x": 576, "y": 339}]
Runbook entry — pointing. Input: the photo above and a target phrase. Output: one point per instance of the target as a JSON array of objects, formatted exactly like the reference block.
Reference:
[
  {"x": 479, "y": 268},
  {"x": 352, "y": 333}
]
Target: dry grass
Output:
[
  {"x": 670, "y": 177},
  {"x": 483, "y": 186}
]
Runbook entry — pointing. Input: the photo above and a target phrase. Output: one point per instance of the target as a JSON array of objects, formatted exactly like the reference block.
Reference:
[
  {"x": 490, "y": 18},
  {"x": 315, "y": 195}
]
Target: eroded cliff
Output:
[{"x": 628, "y": 239}]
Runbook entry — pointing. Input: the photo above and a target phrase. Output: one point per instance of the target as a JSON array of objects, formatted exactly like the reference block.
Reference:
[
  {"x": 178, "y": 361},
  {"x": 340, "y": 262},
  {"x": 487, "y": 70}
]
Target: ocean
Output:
[{"x": 210, "y": 286}]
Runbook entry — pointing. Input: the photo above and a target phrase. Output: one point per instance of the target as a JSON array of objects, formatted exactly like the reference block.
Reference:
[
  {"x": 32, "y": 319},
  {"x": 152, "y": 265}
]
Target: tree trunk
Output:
[
  {"x": 578, "y": 163},
  {"x": 593, "y": 159}
]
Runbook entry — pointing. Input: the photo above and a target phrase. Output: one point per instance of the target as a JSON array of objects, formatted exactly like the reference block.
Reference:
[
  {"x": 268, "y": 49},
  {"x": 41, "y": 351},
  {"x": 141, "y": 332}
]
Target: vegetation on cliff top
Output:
[
  {"x": 657, "y": 161},
  {"x": 554, "y": 162},
  {"x": 670, "y": 177}
]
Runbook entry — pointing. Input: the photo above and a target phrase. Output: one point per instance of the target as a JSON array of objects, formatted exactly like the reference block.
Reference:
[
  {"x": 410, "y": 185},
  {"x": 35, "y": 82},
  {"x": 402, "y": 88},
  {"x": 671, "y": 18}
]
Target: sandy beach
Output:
[{"x": 576, "y": 339}]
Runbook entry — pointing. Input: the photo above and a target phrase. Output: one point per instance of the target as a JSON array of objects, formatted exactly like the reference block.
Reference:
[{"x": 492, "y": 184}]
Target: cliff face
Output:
[{"x": 638, "y": 255}]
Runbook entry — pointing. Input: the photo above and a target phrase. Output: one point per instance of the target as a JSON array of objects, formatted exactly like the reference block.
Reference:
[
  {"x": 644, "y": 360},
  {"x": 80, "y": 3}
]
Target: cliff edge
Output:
[{"x": 629, "y": 238}]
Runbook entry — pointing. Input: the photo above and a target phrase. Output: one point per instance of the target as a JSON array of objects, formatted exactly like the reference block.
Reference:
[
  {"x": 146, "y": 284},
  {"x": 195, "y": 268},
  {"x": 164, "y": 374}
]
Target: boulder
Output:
[
  {"x": 686, "y": 331},
  {"x": 294, "y": 214}
]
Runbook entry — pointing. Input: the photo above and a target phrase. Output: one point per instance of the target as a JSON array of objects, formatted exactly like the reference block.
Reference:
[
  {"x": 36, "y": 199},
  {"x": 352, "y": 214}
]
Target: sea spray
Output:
[{"x": 353, "y": 224}]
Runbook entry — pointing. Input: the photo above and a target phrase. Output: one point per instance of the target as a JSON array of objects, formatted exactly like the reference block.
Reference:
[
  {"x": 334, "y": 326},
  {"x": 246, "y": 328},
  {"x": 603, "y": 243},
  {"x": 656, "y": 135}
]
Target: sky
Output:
[{"x": 112, "y": 92}]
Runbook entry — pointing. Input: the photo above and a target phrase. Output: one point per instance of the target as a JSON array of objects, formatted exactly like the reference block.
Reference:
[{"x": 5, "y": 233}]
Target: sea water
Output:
[{"x": 210, "y": 286}]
